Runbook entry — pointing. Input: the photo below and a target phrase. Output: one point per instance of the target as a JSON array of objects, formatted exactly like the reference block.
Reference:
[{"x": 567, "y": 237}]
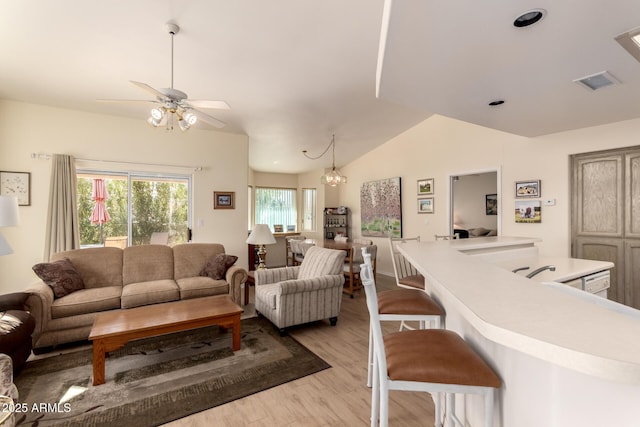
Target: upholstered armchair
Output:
[{"x": 295, "y": 295}]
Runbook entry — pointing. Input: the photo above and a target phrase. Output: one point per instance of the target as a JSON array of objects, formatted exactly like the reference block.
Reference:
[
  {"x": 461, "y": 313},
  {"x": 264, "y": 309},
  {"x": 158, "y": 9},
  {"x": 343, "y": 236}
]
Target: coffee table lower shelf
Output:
[{"x": 112, "y": 330}]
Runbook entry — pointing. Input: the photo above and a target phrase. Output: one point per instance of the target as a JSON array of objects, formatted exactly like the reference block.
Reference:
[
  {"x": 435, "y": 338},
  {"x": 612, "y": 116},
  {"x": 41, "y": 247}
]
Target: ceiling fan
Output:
[{"x": 172, "y": 103}]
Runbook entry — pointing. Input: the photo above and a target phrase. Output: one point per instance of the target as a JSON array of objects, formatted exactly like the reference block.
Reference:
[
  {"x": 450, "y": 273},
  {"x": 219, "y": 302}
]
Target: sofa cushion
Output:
[
  {"x": 60, "y": 275},
  {"x": 196, "y": 287},
  {"x": 98, "y": 267},
  {"x": 150, "y": 292},
  {"x": 87, "y": 301},
  {"x": 146, "y": 263},
  {"x": 190, "y": 258},
  {"x": 321, "y": 262},
  {"x": 216, "y": 267}
]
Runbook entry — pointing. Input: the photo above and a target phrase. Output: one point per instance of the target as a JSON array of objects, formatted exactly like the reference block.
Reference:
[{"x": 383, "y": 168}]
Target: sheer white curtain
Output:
[
  {"x": 62, "y": 216},
  {"x": 275, "y": 206}
]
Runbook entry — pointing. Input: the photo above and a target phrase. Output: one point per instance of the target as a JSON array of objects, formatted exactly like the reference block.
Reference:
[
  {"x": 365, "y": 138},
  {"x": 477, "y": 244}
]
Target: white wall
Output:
[
  {"x": 440, "y": 147},
  {"x": 27, "y": 128}
]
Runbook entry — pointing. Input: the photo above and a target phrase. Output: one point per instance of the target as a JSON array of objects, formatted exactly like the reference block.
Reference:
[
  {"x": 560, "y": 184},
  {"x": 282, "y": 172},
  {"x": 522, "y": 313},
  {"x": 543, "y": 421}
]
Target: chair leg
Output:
[
  {"x": 437, "y": 404},
  {"x": 488, "y": 407},
  {"x": 375, "y": 394}
]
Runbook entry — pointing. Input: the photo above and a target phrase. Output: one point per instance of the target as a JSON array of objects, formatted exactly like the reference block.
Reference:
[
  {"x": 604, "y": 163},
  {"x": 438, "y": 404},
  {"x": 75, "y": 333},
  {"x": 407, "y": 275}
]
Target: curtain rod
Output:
[{"x": 46, "y": 156}]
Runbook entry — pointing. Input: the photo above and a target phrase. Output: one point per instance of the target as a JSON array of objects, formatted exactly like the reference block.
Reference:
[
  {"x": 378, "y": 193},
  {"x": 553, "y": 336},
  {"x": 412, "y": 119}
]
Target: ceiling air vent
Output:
[{"x": 597, "y": 81}]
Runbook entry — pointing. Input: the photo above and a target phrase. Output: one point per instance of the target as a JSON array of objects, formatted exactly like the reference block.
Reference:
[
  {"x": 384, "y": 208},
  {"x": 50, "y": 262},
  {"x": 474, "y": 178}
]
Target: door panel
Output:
[
  {"x": 600, "y": 198},
  {"x": 632, "y": 193},
  {"x": 606, "y": 249},
  {"x": 632, "y": 272}
]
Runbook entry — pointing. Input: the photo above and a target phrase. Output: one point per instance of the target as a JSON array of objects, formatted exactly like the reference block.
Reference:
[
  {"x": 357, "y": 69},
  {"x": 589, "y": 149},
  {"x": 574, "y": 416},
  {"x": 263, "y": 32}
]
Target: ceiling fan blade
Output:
[
  {"x": 208, "y": 119},
  {"x": 130, "y": 101},
  {"x": 203, "y": 103},
  {"x": 161, "y": 96}
]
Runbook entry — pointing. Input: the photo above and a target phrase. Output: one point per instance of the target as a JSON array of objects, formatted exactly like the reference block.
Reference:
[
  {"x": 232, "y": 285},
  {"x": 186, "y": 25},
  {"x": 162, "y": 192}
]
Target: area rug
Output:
[{"x": 160, "y": 379}]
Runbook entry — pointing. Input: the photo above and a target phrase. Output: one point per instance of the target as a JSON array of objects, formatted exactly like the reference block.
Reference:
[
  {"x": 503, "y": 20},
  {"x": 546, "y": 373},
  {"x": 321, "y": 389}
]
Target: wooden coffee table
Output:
[{"x": 112, "y": 330}]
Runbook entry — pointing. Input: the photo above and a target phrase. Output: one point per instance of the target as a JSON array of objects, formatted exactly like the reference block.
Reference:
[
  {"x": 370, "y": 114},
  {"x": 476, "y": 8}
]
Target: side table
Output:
[{"x": 251, "y": 281}]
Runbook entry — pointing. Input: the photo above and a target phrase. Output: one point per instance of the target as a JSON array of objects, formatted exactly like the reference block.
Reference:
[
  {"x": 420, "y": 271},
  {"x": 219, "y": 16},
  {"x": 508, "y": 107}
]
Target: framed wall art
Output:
[
  {"x": 528, "y": 211},
  {"x": 491, "y": 204},
  {"x": 425, "y": 187},
  {"x": 16, "y": 184},
  {"x": 224, "y": 200},
  {"x": 381, "y": 208},
  {"x": 528, "y": 188},
  {"x": 425, "y": 205}
]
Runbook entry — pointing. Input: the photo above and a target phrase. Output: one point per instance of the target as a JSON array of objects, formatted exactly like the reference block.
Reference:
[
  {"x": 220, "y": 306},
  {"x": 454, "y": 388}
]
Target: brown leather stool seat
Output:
[
  {"x": 436, "y": 356},
  {"x": 407, "y": 302}
]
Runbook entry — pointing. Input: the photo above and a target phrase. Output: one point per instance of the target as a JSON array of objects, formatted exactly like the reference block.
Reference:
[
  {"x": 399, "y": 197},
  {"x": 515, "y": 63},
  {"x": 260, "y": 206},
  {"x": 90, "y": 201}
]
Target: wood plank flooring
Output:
[{"x": 337, "y": 396}]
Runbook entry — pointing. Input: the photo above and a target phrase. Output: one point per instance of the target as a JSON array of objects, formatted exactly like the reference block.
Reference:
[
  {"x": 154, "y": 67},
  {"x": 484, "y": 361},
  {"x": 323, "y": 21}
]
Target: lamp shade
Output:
[
  {"x": 5, "y": 249},
  {"x": 261, "y": 235},
  {"x": 9, "y": 216}
]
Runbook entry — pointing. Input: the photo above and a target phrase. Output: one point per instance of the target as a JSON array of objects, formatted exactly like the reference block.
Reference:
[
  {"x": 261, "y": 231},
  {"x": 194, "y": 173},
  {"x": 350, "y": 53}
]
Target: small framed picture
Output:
[
  {"x": 224, "y": 200},
  {"x": 16, "y": 184},
  {"x": 528, "y": 188},
  {"x": 425, "y": 186},
  {"x": 528, "y": 211},
  {"x": 278, "y": 228},
  {"x": 425, "y": 205},
  {"x": 491, "y": 204}
]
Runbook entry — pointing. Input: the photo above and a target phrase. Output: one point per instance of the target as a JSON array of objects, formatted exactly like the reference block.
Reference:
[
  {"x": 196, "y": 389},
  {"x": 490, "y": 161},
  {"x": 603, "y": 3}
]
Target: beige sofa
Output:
[{"x": 118, "y": 279}]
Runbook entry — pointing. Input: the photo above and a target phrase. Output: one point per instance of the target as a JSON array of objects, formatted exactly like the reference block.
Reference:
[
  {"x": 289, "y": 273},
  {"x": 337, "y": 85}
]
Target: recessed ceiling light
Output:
[
  {"x": 496, "y": 102},
  {"x": 529, "y": 17}
]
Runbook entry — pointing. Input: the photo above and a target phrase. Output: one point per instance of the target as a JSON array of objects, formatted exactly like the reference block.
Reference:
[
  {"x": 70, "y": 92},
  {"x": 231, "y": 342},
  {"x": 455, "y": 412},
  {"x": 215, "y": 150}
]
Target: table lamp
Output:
[
  {"x": 260, "y": 236},
  {"x": 9, "y": 217}
]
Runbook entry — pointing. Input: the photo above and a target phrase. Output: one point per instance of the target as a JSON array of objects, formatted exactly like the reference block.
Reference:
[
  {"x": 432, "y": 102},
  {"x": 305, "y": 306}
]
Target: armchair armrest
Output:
[
  {"x": 235, "y": 277},
  {"x": 275, "y": 275},
  {"x": 309, "y": 285},
  {"x": 39, "y": 305}
]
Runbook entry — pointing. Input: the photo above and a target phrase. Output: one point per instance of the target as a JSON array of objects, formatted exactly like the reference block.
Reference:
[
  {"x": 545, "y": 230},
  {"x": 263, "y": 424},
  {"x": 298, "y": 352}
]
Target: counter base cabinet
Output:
[{"x": 606, "y": 249}]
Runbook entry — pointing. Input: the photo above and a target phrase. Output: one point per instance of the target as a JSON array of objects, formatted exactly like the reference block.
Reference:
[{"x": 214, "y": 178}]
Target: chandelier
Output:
[{"x": 334, "y": 177}]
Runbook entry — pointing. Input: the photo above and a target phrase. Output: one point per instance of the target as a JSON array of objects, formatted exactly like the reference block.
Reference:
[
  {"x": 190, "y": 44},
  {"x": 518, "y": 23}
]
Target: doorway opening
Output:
[{"x": 475, "y": 203}]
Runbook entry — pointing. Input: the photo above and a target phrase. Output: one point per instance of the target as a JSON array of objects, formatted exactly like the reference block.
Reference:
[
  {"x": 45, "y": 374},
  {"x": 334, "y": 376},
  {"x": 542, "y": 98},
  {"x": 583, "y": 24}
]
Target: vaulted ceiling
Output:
[{"x": 297, "y": 71}]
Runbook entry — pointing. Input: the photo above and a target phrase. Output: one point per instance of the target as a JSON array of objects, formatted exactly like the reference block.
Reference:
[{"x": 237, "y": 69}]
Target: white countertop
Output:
[
  {"x": 523, "y": 314},
  {"x": 566, "y": 268}
]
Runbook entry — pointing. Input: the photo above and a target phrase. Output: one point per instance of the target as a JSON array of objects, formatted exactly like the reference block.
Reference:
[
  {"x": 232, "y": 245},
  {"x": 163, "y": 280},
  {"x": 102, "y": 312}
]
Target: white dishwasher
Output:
[{"x": 596, "y": 283}]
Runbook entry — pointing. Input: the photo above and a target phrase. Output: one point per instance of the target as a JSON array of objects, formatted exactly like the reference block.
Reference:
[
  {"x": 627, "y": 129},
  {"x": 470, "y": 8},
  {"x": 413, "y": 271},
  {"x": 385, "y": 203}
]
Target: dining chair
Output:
[
  {"x": 352, "y": 267},
  {"x": 289, "y": 255},
  {"x": 362, "y": 241},
  {"x": 427, "y": 360}
]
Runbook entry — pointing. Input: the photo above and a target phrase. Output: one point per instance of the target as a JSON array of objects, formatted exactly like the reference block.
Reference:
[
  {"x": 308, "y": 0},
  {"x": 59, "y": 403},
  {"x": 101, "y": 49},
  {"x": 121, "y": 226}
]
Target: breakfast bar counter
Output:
[{"x": 566, "y": 358}]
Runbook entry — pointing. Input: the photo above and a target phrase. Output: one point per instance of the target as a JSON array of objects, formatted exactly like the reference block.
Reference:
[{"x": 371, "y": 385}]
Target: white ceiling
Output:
[{"x": 296, "y": 71}]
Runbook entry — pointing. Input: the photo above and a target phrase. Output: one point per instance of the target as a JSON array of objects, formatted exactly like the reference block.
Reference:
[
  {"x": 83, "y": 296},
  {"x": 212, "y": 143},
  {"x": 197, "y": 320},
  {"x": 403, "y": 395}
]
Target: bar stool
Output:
[
  {"x": 406, "y": 274},
  {"x": 429, "y": 360}
]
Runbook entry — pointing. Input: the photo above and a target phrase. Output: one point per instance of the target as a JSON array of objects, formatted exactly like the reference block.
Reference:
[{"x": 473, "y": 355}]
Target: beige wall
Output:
[
  {"x": 440, "y": 147},
  {"x": 28, "y": 128}
]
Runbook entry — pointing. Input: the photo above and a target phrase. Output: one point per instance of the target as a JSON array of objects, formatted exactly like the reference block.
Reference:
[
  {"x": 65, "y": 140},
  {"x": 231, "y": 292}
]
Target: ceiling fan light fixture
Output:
[
  {"x": 153, "y": 122},
  {"x": 157, "y": 113},
  {"x": 190, "y": 118}
]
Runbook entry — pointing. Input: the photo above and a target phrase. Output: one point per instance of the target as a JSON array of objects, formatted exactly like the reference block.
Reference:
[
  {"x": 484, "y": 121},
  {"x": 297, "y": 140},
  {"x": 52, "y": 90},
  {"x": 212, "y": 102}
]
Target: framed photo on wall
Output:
[
  {"x": 425, "y": 205},
  {"x": 528, "y": 188},
  {"x": 16, "y": 184},
  {"x": 491, "y": 204},
  {"x": 224, "y": 200},
  {"x": 425, "y": 187}
]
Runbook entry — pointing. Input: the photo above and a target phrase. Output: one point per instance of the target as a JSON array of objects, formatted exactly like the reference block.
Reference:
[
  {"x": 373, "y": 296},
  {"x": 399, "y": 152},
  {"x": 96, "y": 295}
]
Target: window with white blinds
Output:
[
  {"x": 276, "y": 206},
  {"x": 309, "y": 209}
]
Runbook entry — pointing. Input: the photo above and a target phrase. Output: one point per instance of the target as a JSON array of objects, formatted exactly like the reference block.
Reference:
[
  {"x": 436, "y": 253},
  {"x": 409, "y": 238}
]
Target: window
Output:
[
  {"x": 276, "y": 206},
  {"x": 308, "y": 209},
  {"x": 137, "y": 206}
]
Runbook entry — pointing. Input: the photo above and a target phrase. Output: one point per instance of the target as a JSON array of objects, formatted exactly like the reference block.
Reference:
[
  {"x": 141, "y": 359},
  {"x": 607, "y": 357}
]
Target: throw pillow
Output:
[
  {"x": 61, "y": 276},
  {"x": 217, "y": 266}
]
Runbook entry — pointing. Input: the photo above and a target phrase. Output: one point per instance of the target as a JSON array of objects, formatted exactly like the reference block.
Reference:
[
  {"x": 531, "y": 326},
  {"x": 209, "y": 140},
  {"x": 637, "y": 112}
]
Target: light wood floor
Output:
[{"x": 337, "y": 396}]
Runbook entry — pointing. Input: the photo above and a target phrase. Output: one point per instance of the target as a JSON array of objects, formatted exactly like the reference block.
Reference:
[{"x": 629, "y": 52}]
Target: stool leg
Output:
[
  {"x": 370, "y": 371},
  {"x": 437, "y": 402},
  {"x": 375, "y": 394},
  {"x": 450, "y": 409},
  {"x": 488, "y": 408}
]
